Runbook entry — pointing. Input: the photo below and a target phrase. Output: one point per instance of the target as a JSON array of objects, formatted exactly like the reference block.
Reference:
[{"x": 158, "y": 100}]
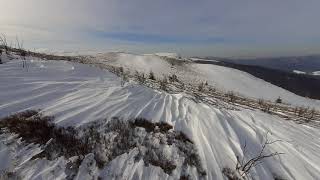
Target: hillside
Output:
[
  {"x": 78, "y": 95},
  {"x": 299, "y": 83},
  {"x": 224, "y": 78}
]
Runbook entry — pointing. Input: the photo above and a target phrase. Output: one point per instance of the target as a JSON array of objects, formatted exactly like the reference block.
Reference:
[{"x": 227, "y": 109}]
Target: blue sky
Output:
[{"x": 189, "y": 27}]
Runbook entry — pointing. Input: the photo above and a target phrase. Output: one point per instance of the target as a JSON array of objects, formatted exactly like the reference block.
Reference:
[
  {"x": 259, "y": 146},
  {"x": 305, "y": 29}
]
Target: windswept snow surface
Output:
[
  {"x": 77, "y": 93},
  {"x": 224, "y": 78}
]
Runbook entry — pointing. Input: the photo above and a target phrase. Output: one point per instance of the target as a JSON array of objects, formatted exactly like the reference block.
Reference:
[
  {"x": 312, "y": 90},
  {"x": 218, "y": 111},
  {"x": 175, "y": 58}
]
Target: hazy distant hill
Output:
[
  {"x": 301, "y": 84},
  {"x": 306, "y": 64}
]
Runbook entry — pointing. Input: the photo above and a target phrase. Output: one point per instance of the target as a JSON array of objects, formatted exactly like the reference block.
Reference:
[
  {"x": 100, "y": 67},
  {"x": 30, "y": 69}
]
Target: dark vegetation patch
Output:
[
  {"x": 33, "y": 127},
  {"x": 175, "y": 61},
  {"x": 231, "y": 174},
  {"x": 167, "y": 166},
  {"x": 8, "y": 175},
  {"x": 300, "y": 84},
  {"x": 105, "y": 139},
  {"x": 119, "y": 137},
  {"x": 182, "y": 137},
  {"x": 185, "y": 177},
  {"x": 149, "y": 126}
]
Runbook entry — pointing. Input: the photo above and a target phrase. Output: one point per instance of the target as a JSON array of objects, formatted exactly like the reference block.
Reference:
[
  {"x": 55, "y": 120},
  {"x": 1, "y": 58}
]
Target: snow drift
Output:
[{"x": 76, "y": 94}]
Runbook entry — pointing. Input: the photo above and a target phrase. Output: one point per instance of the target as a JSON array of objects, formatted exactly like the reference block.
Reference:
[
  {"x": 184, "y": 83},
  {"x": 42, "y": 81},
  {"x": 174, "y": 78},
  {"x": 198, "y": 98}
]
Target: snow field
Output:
[{"x": 76, "y": 94}]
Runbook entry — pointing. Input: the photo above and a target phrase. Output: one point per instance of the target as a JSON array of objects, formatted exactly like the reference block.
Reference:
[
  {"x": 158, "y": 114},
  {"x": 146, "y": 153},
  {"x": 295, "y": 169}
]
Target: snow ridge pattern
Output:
[{"x": 76, "y": 94}]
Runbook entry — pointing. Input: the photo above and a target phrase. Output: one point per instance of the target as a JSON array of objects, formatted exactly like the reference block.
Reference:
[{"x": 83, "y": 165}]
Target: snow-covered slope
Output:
[
  {"x": 248, "y": 85},
  {"x": 224, "y": 78},
  {"x": 144, "y": 63},
  {"x": 77, "y": 93}
]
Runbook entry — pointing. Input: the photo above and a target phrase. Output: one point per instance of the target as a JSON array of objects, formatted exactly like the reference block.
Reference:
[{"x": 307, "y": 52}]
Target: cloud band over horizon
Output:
[{"x": 192, "y": 28}]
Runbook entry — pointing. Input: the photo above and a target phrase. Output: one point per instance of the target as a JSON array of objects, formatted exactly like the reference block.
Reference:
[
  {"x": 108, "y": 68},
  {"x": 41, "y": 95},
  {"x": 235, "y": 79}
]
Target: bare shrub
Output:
[
  {"x": 201, "y": 87},
  {"x": 33, "y": 127},
  {"x": 182, "y": 86},
  {"x": 21, "y": 52},
  {"x": 124, "y": 78},
  {"x": 231, "y": 174},
  {"x": 232, "y": 97},
  {"x": 265, "y": 106},
  {"x": 105, "y": 140},
  {"x": 149, "y": 126},
  {"x": 118, "y": 71},
  {"x": 261, "y": 102},
  {"x": 152, "y": 76},
  {"x": 278, "y": 100},
  {"x": 182, "y": 137},
  {"x": 312, "y": 113},
  {"x": 244, "y": 166},
  {"x": 173, "y": 78},
  {"x": 30, "y": 125},
  {"x": 19, "y": 46},
  {"x": 140, "y": 77},
  {"x": 121, "y": 70},
  {"x": 194, "y": 160},
  {"x": 212, "y": 89},
  {"x": 126, "y": 136},
  {"x": 302, "y": 111},
  {"x": 4, "y": 43},
  {"x": 164, "y": 84},
  {"x": 167, "y": 166},
  {"x": 56, "y": 141},
  {"x": 185, "y": 177}
]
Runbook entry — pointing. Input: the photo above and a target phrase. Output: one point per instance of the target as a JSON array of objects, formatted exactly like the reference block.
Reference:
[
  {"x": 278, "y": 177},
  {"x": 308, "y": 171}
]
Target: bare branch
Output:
[
  {"x": 19, "y": 43},
  {"x": 4, "y": 42},
  {"x": 243, "y": 167}
]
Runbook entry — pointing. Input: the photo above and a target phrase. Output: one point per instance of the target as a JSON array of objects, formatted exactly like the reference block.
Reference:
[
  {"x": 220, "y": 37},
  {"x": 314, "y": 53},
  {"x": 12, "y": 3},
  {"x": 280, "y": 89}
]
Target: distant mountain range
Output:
[
  {"x": 308, "y": 64},
  {"x": 301, "y": 84}
]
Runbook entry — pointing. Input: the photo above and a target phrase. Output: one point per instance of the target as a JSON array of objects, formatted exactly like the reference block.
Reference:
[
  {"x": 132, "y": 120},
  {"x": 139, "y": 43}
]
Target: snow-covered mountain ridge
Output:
[
  {"x": 226, "y": 79},
  {"x": 76, "y": 94}
]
